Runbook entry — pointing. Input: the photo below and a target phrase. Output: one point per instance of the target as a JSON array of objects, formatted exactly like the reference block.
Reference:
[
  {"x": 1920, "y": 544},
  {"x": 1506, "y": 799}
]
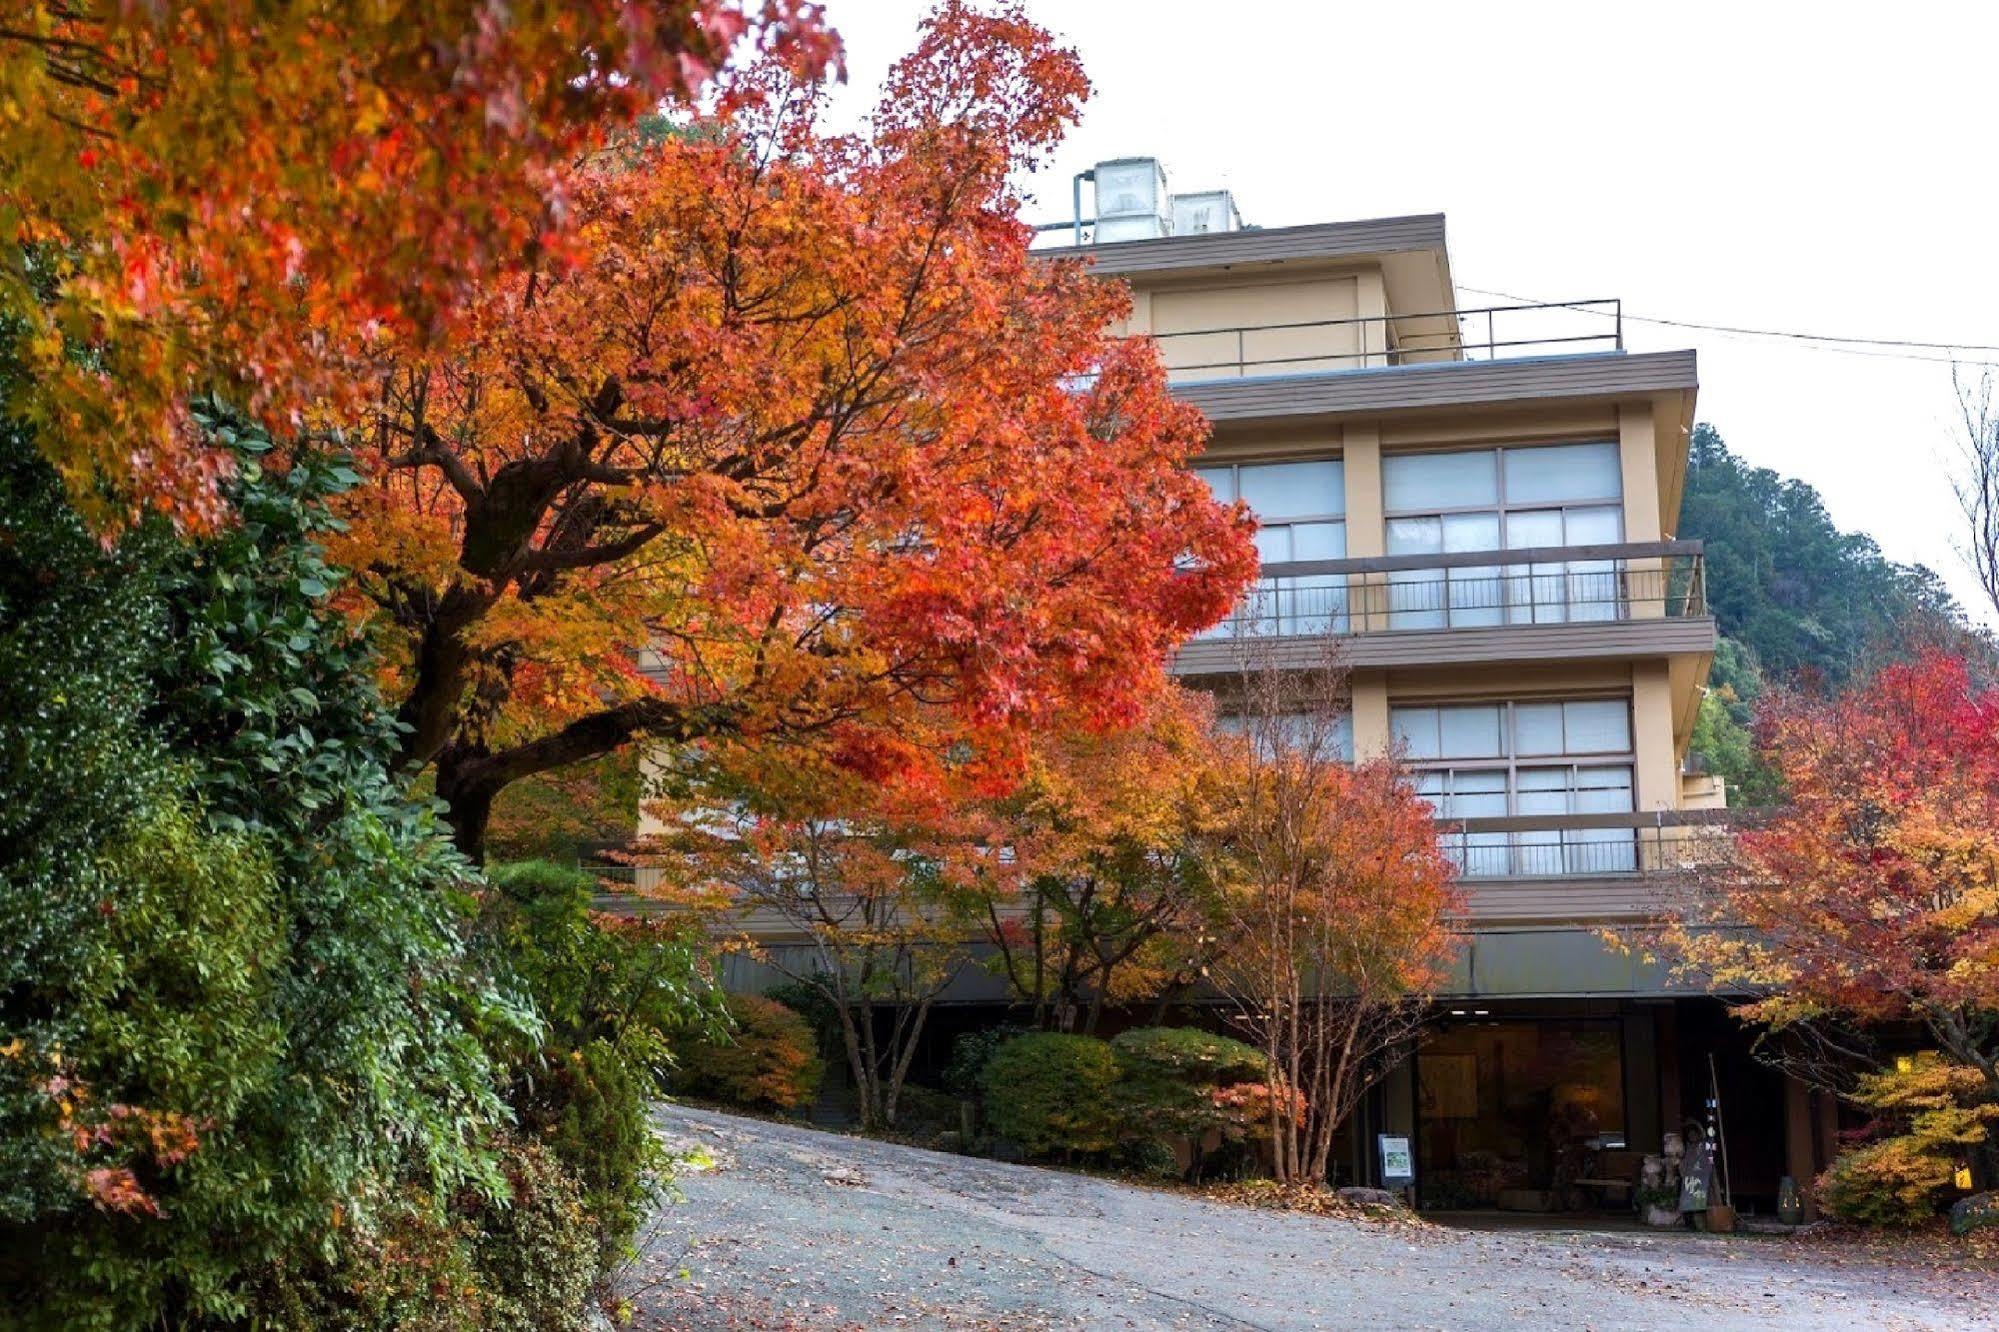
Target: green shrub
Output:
[
  {"x": 1181, "y": 1081},
  {"x": 768, "y": 1058},
  {"x": 522, "y": 1261},
  {"x": 132, "y": 1104},
  {"x": 537, "y": 1254},
  {"x": 1051, "y": 1093},
  {"x": 965, "y": 1071},
  {"x": 612, "y": 995},
  {"x": 237, "y": 975}
]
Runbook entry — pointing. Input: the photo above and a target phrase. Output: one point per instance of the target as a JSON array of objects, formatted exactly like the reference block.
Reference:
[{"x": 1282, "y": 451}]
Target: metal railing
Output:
[
  {"x": 1483, "y": 333},
  {"x": 1543, "y": 585},
  {"x": 1569, "y": 846}
]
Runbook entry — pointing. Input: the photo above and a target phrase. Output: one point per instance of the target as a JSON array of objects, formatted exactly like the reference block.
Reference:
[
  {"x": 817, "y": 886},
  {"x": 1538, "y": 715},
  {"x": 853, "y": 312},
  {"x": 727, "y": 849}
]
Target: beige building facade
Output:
[{"x": 1480, "y": 506}]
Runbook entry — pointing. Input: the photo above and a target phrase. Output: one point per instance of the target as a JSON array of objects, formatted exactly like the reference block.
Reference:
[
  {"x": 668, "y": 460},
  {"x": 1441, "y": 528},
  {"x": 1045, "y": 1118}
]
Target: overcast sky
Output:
[{"x": 1823, "y": 168}]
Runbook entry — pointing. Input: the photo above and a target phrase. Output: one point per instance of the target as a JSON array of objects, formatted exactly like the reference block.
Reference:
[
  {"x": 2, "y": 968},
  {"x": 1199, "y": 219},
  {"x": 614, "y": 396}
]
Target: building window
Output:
[
  {"x": 1300, "y": 509},
  {"x": 1338, "y": 731},
  {"x": 1503, "y": 499},
  {"x": 1489, "y": 760}
]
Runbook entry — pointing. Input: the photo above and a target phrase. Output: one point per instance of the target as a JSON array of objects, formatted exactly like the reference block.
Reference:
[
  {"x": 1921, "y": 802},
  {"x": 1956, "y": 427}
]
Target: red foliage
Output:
[
  {"x": 255, "y": 197},
  {"x": 812, "y": 425}
]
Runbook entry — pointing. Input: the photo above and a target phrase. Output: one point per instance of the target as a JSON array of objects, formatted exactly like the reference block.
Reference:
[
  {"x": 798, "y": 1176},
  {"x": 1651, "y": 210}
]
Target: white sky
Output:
[{"x": 1817, "y": 167}]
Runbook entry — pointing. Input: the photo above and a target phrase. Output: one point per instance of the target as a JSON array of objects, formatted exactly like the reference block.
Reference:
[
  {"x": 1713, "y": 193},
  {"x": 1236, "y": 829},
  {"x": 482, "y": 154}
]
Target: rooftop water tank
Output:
[{"x": 1132, "y": 202}]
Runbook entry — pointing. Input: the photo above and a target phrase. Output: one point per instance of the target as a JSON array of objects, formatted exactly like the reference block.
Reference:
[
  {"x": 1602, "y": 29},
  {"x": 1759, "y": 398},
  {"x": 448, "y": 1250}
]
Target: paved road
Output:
[{"x": 805, "y": 1231}]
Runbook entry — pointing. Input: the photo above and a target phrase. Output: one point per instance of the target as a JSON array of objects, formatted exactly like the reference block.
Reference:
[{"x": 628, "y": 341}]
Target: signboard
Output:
[
  {"x": 1397, "y": 1166},
  {"x": 1697, "y": 1176}
]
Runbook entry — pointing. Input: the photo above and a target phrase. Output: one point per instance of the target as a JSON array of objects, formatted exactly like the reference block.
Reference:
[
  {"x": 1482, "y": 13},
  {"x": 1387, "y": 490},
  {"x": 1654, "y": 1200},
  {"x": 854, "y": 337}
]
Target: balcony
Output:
[
  {"x": 1484, "y": 333},
  {"x": 1581, "y": 866},
  {"x": 1603, "y": 600}
]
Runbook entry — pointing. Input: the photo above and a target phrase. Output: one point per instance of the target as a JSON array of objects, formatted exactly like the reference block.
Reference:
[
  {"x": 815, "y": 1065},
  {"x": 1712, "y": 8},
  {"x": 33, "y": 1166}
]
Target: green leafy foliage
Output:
[
  {"x": 1179, "y": 1080},
  {"x": 1786, "y": 583},
  {"x": 1050, "y": 1092},
  {"x": 522, "y": 1261},
  {"x": 1724, "y": 734},
  {"x": 965, "y": 1071},
  {"x": 233, "y": 981},
  {"x": 767, "y": 1059},
  {"x": 613, "y": 995}
]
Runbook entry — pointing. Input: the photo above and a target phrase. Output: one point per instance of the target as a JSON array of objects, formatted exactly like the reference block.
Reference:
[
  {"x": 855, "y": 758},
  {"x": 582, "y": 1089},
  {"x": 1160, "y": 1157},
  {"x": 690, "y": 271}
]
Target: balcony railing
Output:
[
  {"x": 1569, "y": 846},
  {"x": 1481, "y": 589},
  {"x": 1483, "y": 333}
]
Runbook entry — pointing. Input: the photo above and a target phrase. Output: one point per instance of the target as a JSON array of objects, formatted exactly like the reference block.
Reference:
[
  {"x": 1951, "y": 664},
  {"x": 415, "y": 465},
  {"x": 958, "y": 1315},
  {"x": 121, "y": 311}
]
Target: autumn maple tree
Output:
[
  {"x": 256, "y": 199},
  {"x": 1872, "y": 895},
  {"x": 1106, "y": 897},
  {"x": 1336, "y": 899},
  {"x": 803, "y": 449},
  {"x": 864, "y": 894}
]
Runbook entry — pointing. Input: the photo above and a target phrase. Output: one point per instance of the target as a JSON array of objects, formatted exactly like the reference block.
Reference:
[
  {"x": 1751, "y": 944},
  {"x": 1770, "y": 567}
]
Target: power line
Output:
[{"x": 1828, "y": 342}]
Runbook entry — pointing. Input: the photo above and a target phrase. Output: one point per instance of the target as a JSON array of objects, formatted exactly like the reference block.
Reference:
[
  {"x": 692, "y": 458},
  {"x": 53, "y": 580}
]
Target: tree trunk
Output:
[{"x": 468, "y": 804}]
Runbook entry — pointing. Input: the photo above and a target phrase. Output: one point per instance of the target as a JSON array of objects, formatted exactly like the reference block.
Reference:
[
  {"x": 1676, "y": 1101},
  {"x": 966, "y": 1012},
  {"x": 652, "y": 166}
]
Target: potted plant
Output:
[{"x": 1659, "y": 1204}]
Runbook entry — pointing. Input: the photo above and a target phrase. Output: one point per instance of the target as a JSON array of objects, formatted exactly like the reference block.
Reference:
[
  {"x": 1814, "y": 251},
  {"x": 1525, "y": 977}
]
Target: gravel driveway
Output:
[{"x": 799, "y": 1229}]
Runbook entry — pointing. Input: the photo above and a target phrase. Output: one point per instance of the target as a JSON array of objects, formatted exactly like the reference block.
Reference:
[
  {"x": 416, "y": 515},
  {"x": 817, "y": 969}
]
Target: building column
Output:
[
  {"x": 1371, "y": 737},
  {"x": 1371, "y": 305},
  {"x": 1666, "y": 1033},
  {"x": 1367, "y": 534},
  {"x": 1641, "y": 1082},
  {"x": 1800, "y": 1148},
  {"x": 1658, "y": 776},
  {"x": 1637, "y": 452}
]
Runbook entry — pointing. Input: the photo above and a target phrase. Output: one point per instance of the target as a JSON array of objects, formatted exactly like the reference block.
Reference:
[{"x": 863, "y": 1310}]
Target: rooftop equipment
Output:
[
  {"x": 1131, "y": 200},
  {"x": 1205, "y": 211}
]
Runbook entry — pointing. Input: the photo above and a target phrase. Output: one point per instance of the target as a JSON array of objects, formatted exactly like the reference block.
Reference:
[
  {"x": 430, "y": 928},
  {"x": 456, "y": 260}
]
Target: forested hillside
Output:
[{"x": 1794, "y": 595}]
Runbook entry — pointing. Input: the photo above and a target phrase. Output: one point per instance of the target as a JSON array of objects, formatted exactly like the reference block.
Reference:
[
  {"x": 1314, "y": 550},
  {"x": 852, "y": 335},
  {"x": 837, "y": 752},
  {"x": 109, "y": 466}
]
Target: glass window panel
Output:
[
  {"x": 1603, "y": 790},
  {"x": 1542, "y": 791},
  {"x": 1221, "y": 480},
  {"x": 1597, "y": 726},
  {"x": 1536, "y": 527},
  {"x": 1470, "y": 531},
  {"x": 1318, "y": 541},
  {"x": 1415, "y": 730},
  {"x": 1273, "y": 544},
  {"x": 1431, "y": 481},
  {"x": 1415, "y": 536},
  {"x": 1477, "y": 795},
  {"x": 1294, "y": 489},
  {"x": 1342, "y": 737},
  {"x": 1469, "y": 732},
  {"x": 1599, "y": 526},
  {"x": 1563, "y": 472},
  {"x": 1537, "y": 729}
]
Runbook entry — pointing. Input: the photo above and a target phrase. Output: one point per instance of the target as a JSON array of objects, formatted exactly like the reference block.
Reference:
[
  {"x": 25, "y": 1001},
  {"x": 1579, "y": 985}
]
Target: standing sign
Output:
[
  {"x": 1697, "y": 1176},
  {"x": 1397, "y": 1168}
]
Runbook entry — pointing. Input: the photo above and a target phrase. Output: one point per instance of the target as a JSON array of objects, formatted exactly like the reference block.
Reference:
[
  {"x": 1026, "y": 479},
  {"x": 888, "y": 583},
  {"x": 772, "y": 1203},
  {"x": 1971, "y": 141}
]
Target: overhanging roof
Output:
[
  {"x": 1261, "y": 245},
  {"x": 1403, "y": 388}
]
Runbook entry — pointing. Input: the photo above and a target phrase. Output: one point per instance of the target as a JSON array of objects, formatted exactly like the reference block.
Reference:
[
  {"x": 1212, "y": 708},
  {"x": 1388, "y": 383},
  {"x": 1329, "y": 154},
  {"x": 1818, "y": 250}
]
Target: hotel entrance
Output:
[{"x": 1520, "y": 1114}]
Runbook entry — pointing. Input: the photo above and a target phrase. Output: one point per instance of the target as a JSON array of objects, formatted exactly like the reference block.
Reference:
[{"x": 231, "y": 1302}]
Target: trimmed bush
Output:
[
  {"x": 769, "y": 1058},
  {"x": 1178, "y": 1080},
  {"x": 965, "y": 1073},
  {"x": 1051, "y": 1093}
]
